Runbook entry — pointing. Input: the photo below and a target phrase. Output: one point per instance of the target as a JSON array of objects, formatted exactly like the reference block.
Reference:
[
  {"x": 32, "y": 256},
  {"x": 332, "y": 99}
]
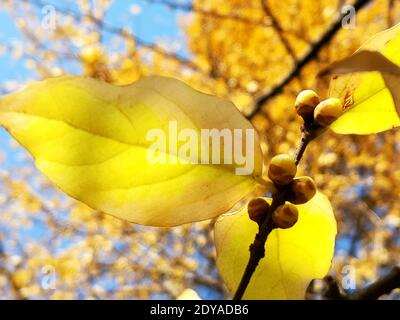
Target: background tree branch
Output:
[
  {"x": 384, "y": 285},
  {"x": 301, "y": 63}
]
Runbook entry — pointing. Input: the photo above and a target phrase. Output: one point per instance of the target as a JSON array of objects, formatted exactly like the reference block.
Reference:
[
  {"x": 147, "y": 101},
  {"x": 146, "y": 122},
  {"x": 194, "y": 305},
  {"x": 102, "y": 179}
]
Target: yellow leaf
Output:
[
  {"x": 362, "y": 61},
  {"x": 91, "y": 139},
  {"x": 370, "y": 98},
  {"x": 293, "y": 258}
]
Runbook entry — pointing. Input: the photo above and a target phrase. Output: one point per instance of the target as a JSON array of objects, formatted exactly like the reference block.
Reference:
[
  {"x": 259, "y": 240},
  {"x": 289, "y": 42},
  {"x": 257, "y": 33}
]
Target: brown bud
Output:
[
  {"x": 285, "y": 216},
  {"x": 257, "y": 209},
  {"x": 282, "y": 169},
  {"x": 306, "y": 102},
  {"x": 328, "y": 111},
  {"x": 302, "y": 189}
]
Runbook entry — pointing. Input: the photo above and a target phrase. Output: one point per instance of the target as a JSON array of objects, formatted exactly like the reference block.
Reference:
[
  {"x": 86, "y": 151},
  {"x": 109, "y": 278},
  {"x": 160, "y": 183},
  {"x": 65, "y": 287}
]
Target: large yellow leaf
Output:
[
  {"x": 293, "y": 258},
  {"x": 90, "y": 139},
  {"x": 371, "y": 98}
]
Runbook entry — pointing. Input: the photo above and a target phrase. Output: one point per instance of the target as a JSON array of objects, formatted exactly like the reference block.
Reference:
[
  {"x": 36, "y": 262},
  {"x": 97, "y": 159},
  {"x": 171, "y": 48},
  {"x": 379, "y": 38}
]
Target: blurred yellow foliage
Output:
[{"x": 237, "y": 53}]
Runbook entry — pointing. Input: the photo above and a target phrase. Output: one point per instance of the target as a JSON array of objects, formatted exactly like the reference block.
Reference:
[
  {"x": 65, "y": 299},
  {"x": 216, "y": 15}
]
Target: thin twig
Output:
[
  {"x": 208, "y": 13},
  {"x": 309, "y": 132},
  {"x": 304, "y": 141},
  {"x": 257, "y": 248}
]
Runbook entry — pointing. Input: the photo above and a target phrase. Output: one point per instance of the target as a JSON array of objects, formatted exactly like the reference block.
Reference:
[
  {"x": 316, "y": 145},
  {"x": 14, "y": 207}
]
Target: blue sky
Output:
[{"x": 153, "y": 22}]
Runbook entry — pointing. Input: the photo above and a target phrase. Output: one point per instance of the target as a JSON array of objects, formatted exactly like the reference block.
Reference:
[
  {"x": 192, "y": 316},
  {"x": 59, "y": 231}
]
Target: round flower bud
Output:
[
  {"x": 285, "y": 216},
  {"x": 306, "y": 102},
  {"x": 282, "y": 169},
  {"x": 302, "y": 189},
  {"x": 328, "y": 111},
  {"x": 257, "y": 209}
]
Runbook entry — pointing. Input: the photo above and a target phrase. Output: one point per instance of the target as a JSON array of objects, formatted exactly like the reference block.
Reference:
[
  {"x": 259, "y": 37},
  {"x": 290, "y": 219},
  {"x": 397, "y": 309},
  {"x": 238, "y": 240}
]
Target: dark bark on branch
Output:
[
  {"x": 382, "y": 286},
  {"x": 257, "y": 248},
  {"x": 306, "y": 137},
  {"x": 280, "y": 32},
  {"x": 333, "y": 290},
  {"x": 208, "y": 13},
  {"x": 309, "y": 56},
  {"x": 374, "y": 291}
]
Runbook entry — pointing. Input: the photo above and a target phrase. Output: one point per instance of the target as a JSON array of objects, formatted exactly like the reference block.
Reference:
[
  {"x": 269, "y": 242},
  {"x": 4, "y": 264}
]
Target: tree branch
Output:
[
  {"x": 280, "y": 32},
  {"x": 217, "y": 15},
  {"x": 333, "y": 290},
  {"x": 306, "y": 138},
  {"x": 380, "y": 287},
  {"x": 257, "y": 248},
  {"x": 208, "y": 13},
  {"x": 309, "y": 56}
]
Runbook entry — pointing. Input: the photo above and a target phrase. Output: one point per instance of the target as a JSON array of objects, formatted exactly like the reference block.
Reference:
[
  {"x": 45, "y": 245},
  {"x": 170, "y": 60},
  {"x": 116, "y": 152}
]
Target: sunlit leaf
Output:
[
  {"x": 294, "y": 256},
  {"x": 370, "y": 98},
  {"x": 89, "y": 138},
  {"x": 362, "y": 61}
]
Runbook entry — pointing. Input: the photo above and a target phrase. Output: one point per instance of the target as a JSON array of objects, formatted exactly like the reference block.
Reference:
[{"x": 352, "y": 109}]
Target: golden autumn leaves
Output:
[{"x": 89, "y": 138}]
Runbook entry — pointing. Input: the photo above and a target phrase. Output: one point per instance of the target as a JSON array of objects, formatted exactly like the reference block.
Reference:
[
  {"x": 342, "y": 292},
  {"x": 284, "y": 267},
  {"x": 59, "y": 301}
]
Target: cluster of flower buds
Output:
[
  {"x": 282, "y": 171},
  {"x": 323, "y": 113},
  {"x": 285, "y": 216}
]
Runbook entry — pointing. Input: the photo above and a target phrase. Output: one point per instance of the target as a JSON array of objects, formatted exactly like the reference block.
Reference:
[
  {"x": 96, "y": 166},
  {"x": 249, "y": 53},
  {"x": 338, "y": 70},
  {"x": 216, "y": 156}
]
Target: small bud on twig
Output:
[
  {"x": 285, "y": 216},
  {"x": 302, "y": 189},
  {"x": 282, "y": 169},
  {"x": 305, "y": 104},
  {"x": 257, "y": 209},
  {"x": 328, "y": 111}
]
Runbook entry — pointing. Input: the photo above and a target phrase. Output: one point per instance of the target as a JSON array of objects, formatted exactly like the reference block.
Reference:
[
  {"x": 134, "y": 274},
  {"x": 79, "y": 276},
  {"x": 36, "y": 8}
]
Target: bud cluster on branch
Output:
[{"x": 312, "y": 110}]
